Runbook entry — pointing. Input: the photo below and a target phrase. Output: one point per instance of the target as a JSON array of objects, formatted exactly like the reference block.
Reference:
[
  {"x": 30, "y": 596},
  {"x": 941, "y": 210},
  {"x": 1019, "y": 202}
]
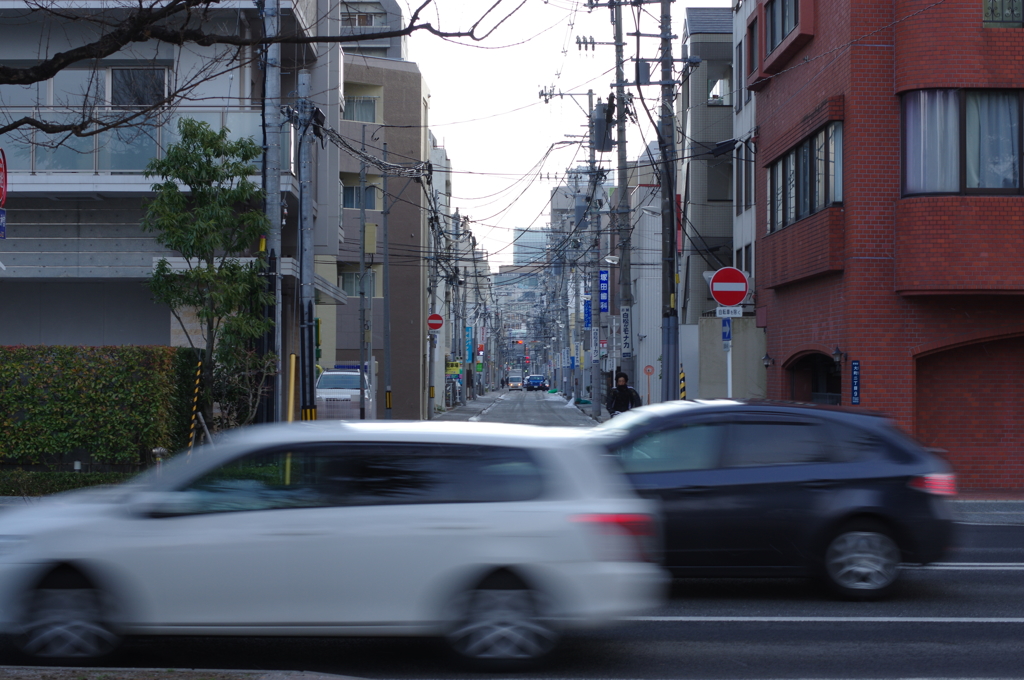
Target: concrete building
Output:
[
  {"x": 529, "y": 246},
  {"x": 890, "y": 268},
  {"x": 76, "y": 258}
]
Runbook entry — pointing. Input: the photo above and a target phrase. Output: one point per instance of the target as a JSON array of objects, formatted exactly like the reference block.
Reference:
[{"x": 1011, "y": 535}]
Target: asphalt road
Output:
[{"x": 963, "y": 618}]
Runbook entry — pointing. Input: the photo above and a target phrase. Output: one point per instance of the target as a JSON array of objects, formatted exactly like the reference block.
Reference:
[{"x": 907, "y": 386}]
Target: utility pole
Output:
[
  {"x": 666, "y": 139},
  {"x": 595, "y": 284},
  {"x": 434, "y": 254},
  {"x": 387, "y": 293},
  {"x": 272, "y": 178},
  {"x": 622, "y": 213},
  {"x": 364, "y": 351},
  {"x": 307, "y": 376}
]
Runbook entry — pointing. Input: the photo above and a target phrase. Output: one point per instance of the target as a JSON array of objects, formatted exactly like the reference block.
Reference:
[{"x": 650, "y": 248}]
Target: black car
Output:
[{"x": 772, "y": 489}]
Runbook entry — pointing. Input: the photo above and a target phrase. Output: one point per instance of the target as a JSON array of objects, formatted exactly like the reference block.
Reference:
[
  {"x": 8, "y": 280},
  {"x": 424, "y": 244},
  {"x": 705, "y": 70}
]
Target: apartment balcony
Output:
[{"x": 113, "y": 162}]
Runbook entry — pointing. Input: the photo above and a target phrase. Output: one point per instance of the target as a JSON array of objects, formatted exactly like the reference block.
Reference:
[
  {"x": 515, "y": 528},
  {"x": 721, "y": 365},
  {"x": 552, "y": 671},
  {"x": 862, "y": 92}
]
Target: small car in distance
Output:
[
  {"x": 337, "y": 395},
  {"x": 515, "y": 381},
  {"x": 772, "y": 489},
  {"x": 496, "y": 538},
  {"x": 535, "y": 382}
]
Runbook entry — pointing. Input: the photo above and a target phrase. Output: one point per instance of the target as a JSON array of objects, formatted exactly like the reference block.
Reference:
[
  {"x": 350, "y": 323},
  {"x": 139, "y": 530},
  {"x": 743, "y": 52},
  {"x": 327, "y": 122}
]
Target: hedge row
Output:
[
  {"x": 39, "y": 483},
  {"x": 106, "y": 405}
]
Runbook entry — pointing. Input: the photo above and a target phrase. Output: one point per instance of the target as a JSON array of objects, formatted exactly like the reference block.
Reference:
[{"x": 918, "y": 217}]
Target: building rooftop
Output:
[{"x": 708, "y": 20}]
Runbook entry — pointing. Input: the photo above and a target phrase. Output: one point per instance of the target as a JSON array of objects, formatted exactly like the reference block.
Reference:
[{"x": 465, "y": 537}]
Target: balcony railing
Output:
[
  {"x": 127, "y": 150},
  {"x": 1003, "y": 13}
]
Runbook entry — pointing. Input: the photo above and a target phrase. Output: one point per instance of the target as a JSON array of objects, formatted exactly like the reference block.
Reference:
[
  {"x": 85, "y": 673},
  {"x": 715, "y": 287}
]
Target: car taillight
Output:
[
  {"x": 940, "y": 484},
  {"x": 623, "y": 537}
]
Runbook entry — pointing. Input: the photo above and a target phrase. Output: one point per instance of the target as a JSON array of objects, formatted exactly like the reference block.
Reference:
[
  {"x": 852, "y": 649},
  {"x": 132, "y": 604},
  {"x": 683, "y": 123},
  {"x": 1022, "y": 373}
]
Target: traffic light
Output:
[{"x": 527, "y": 359}]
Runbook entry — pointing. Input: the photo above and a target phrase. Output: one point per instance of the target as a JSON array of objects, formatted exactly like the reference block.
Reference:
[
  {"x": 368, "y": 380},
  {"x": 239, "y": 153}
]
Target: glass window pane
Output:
[
  {"x": 804, "y": 178},
  {"x": 720, "y": 179},
  {"x": 777, "y": 181},
  {"x": 738, "y": 180},
  {"x": 19, "y": 95},
  {"x": 363, "y": 109},
  {"x": 835, "y": 159},
  {"x": 128, "y": 149},
  {"x": 136, "y": 86},
  {"x": 752, "y": 55},
  {"x": 790, "y": 180},
  {"x": 993, "y": 136},
  {"x": 931, "y": 142},
  {"x": 686, "y": 448},
  {"x": 819, "y": 171},
  {"x": 73, "y": 87},
  {"x": 778, "y": 443},
  {"x": 749, "y": 176}
]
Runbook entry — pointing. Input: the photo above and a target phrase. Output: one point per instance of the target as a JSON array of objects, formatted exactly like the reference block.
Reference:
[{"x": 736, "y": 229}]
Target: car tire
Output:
[
  {"x": 862, "y": 561},
  {"x": 67, "y": 619},
  {"x": 502, "y": 625}
]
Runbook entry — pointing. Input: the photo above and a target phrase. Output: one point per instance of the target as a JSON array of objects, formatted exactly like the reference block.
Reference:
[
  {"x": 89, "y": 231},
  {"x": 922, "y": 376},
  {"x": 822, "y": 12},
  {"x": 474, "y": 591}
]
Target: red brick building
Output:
[{"x": 891, "y": 216}]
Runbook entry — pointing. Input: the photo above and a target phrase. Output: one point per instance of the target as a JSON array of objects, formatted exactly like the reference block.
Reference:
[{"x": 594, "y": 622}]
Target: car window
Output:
[
  {"x": 763, "y": 443},
  {"x": 694, "y": 447},
  {"x": 338, "y": 381},
  {"x": 403, "y": 474},
  {"x": 299, "y": 478}
]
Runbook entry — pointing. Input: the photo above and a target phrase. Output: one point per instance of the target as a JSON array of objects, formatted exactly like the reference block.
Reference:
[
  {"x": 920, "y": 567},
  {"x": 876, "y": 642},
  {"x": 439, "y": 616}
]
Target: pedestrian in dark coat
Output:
[{"x": 622, "y": 397}]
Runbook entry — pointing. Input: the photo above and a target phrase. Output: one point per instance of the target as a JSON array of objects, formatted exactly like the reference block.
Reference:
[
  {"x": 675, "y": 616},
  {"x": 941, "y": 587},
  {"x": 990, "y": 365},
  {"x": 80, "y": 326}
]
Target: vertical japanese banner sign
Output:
[
  {"x": 603, "y": 283},
  {"x": 469, "y": 343},
  {"x": 627, "y": 334}
]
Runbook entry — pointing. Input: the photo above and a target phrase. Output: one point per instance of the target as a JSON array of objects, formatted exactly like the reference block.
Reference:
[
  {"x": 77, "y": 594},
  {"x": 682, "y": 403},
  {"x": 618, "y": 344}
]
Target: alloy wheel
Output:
[
  {"x": 67, "y": 623},
  {"x": 862, "y": 562},
  {"x": 502, "y": 625}
]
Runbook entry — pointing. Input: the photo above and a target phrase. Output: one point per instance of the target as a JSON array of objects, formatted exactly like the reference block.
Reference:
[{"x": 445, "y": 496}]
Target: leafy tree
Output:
[{"x": 208, "y": 210}]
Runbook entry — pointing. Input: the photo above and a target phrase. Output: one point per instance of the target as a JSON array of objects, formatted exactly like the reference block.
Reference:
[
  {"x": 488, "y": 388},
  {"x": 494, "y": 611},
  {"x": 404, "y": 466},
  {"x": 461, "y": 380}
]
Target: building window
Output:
[
  {"x": 1002, "y": 13},
  {"x": 748, "y": 181},
  {"x": 364, "y": 20},
  {"x": 739, "y": 70},
  {"x": 752, "y": 47},
  {"x": 807, "y": 179},
  {"x": 360, "y": 109},
  {"x": 782, "y": 17},
  {"x": 349, "y": 282},
  {"x": 350, "y": 198},
  {"x": 136, "y": 87},
  {"x": 738, "y": 179},
  {"x": 962, "y": 141}
]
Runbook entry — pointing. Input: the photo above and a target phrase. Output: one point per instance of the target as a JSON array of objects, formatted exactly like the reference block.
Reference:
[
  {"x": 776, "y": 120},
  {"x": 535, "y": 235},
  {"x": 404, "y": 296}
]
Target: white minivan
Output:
[{"x": 495, "y": 538}]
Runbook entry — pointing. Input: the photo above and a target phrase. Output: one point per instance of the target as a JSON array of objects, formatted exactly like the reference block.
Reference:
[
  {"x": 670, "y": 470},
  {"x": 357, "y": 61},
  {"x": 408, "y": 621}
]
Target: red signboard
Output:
[
  {"x": 435, "y": 321},
  {"x": 3, "y": 178},
  {"x": 729, "y": 286}
]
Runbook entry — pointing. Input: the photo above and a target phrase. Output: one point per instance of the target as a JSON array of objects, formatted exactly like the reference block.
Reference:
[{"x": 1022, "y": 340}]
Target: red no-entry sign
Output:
[
  {"x": 729, "y": 286},
  {"x": 435, "y": 321}
]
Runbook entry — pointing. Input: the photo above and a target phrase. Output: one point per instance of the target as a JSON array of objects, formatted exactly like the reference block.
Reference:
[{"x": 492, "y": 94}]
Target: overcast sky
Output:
[{"x": 486, "y": 110}]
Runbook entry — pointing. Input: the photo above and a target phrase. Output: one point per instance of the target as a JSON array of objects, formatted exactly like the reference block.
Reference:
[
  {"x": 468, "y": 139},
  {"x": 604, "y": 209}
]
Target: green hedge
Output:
[
  {"x": 36, "y": 483},
  {"x": 106, "y": 405}
]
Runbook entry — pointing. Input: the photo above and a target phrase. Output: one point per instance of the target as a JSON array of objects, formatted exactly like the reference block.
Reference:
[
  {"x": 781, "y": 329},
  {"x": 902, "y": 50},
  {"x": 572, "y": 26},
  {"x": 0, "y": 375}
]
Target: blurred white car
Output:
[
  {"x": 497, "y": 538},
  {"x": 337, "y": 395}
]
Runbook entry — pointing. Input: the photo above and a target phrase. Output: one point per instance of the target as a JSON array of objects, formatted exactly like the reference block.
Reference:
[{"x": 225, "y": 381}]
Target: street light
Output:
[
  {"x": 767, "y": 360},
  {"x": 838, "y": 356}
]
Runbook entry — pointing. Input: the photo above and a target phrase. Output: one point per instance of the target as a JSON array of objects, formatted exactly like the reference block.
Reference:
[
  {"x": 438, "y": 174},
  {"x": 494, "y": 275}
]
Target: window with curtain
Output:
[
  {"x": 992, "y": 140},
  {"x": 962, "y": 141},
  {"x": 931, "y": 149},
  {"x": 360, "y": 109},
  {"x": 350, "y": 198}
]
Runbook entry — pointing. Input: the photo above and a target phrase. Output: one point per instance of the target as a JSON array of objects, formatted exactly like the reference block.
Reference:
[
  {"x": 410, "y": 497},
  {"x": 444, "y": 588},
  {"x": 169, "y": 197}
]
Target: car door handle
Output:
[{"x": 819, "y": 484}]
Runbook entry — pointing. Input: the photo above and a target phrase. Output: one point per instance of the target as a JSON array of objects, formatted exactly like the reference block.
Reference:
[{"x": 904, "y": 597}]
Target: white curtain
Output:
[
  {"x": 992, "y": 140},
  {"x": 931, "y": 143}
]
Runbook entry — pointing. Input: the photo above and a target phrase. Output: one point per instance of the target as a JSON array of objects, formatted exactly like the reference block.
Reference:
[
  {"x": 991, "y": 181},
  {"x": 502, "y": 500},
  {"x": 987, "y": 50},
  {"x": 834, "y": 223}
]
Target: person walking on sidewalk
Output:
[{"x": 623, "y": 397}]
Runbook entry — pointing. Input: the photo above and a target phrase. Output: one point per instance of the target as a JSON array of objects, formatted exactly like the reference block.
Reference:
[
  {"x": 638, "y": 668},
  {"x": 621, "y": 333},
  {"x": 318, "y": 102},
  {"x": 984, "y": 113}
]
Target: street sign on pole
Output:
[
  {"x": 727, "y": 334},
  {"x": 729, "y": 286},
  {"x": 435, "y": 321}
]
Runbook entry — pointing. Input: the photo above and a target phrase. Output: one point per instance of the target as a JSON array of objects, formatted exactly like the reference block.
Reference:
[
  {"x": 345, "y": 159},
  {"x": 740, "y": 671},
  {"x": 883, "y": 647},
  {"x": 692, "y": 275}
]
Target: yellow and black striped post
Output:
[
  {"x": 195, "y": 408},
  {"x": 682, "y": 384}
]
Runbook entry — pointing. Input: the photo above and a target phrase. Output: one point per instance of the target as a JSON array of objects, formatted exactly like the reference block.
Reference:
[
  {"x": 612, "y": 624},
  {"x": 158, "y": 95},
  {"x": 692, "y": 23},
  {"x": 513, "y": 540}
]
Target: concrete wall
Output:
[{"x": 748, "y": 347}]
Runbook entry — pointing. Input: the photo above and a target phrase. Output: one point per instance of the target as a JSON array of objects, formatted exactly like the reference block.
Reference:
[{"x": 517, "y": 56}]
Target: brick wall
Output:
[{"x": 983, "y": 385}]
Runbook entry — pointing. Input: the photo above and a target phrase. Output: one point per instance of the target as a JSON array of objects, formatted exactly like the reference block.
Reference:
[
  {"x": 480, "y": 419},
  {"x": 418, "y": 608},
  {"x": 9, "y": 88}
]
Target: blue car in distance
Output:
[{"x": 536, "y": 382}]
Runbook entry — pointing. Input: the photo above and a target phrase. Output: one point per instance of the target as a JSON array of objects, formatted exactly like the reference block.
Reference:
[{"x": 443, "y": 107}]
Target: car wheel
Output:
[
  {"x": 862, "y": 561},
  {"x": 502, "y": 624},
  {"x": 67, "y": 620}
]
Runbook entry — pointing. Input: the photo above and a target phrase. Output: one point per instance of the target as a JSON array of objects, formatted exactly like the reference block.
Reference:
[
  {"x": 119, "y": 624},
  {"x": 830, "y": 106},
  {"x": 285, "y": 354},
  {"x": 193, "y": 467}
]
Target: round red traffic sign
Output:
[
  {"x": 648, "y": 370},
  {"x": 729, "y": 286},
  {"x": 435, "y": 321}
]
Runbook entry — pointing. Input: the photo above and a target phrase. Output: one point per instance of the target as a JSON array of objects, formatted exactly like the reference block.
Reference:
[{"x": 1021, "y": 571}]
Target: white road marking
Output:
[{"x": 826, "y": 619}]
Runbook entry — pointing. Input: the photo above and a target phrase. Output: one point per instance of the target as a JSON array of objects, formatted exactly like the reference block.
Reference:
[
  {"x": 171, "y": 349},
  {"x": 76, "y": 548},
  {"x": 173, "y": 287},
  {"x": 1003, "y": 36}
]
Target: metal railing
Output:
[
  {"x": 1002, "y": 13},
  {"x": 126, "y": 150}
]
